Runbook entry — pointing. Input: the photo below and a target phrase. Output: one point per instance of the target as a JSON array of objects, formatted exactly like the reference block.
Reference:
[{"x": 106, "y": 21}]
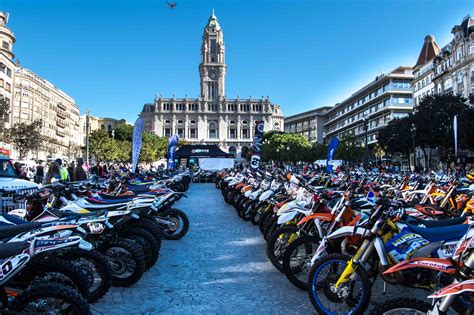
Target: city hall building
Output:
[{"x": 212, "y": 118}]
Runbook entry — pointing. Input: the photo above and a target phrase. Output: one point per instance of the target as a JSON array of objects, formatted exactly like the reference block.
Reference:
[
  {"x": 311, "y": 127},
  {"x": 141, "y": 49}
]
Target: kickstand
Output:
[{"x": 384, "y": 288}]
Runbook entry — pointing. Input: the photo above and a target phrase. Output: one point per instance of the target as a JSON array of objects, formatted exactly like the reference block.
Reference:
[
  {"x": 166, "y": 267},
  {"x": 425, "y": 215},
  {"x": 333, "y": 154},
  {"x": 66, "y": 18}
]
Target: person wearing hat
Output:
[{"x": 62, "y": 170}]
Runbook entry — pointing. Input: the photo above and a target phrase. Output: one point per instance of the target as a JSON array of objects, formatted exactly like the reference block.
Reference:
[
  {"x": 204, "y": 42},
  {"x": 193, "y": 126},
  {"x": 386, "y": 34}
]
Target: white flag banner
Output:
[{"x": 137, "y": 142}]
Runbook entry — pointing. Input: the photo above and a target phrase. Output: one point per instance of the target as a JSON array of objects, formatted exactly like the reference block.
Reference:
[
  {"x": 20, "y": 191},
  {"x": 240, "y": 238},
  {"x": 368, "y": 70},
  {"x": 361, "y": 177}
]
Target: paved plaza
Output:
[{"x": 219, "y": 267}]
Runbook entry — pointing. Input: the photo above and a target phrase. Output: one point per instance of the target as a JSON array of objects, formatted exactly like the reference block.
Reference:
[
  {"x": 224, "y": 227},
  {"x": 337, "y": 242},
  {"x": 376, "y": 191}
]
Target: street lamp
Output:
[
  {"x": 413, "y": 133},
  {"x": 324, "y": 138},
  {"x": 365, "y": 121},
  {"x": 288, "y": 151}
]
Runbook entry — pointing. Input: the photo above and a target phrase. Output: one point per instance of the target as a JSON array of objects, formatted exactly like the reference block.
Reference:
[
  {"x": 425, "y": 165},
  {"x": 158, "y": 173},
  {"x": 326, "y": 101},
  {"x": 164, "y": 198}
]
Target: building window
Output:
[
  {"x": 458, "y": 53},
  {"x": 180, "y": 122},
  {"x": 192, "y": 122},
  {"x": 167, "y": 132},
  {"x": 232, "y": 133},
  {"x": 461, "y": 78},
  {"x": 181, "y": 132},
  {"x": 213, "y": 130},
  {"x": 245, "y": 134},
  {"x": 192, "y": 133},
  {"x": 245, "y": 123},
  {"x": 8, "y": 87},
  {"x": 5, "y": 45},
  {"x": 9, "y": 72},
  {"x": 232, "y": 122},
  {"x": 167, "y": 122}
]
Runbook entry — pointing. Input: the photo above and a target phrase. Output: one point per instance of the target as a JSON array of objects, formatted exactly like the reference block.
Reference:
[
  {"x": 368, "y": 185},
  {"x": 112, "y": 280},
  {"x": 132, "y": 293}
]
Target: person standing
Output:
[
  {"x": 39, "y": 176},
  {"x": 62, "y": 170},
  {"x": 79, "y": 173},
  {"x": 70, "y": 170},
  {"x": 53, "y": 173}
]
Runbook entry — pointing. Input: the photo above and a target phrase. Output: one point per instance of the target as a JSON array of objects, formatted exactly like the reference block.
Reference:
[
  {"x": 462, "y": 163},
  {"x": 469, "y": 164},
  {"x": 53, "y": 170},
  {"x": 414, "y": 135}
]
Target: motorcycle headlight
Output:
[{"x": 85, "y": 245}]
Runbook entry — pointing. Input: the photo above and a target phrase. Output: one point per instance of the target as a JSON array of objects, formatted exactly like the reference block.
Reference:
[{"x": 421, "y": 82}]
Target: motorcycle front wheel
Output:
[{"x": 351, "y": 297}]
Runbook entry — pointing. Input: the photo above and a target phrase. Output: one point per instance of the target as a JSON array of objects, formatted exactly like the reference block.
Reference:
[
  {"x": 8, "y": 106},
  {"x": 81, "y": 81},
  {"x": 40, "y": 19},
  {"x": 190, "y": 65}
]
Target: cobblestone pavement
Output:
[{"x": 219, "y": 267}]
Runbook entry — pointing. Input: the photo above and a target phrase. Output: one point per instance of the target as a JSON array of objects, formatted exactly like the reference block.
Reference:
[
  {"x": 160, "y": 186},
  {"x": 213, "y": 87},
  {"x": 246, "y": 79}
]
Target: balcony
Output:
[
  {"x": 60, "y": 133},
  {"x": 61, "y": 113},
  {"x": 61, "y": 123},
  {"x": 61, "y": 106}
]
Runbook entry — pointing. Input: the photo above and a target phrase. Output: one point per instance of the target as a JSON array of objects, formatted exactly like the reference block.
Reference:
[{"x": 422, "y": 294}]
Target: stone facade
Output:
[
  {"x": 212, "y": 118},
  {"x": 454, "y": 65},
  {"x": 310, "y": 124}
]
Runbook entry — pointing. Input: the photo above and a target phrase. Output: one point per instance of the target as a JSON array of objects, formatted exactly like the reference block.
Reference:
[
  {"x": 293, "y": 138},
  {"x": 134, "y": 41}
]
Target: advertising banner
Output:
[
  {"x": 173, "y": 143},
  {"x": 257, "y": 145},
  {"x": 331, "y": 153},
  {"x": 137, "y": 142}
]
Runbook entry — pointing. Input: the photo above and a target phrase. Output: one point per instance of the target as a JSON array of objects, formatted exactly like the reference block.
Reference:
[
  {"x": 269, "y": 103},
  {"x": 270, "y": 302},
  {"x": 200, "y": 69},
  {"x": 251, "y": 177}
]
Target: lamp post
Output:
[
  {"x": 365, "y": 121},
  {"x": 288, "y": 151},
  {"x": 413, "y": 133},
  {"x": 324, "y": 138},
  {"x": 87, "y": 134}
]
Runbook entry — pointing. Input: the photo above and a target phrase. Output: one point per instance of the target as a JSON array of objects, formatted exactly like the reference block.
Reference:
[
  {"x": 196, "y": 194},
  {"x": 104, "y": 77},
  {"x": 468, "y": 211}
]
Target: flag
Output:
[
  {"x": 257, "y": 145},
  {"x": 331, "y": 153},
  {"x": 137, "y": 142},
  {"x": 173, "y": 143}
]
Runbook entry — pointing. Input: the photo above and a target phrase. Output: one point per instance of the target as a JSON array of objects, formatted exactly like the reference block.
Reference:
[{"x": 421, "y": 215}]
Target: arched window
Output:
[
  {"x": 213, "y": 130},
  {"x": 102, "y": 127}
]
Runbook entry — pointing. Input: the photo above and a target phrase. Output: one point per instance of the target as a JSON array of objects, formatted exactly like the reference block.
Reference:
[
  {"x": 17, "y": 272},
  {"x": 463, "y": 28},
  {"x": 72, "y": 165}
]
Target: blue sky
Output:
[{"x": 114, "y": 56}]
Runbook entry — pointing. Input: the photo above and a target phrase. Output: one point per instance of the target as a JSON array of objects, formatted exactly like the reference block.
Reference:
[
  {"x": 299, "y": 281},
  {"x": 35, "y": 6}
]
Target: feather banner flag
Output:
[{"x": 137, "y": 142}]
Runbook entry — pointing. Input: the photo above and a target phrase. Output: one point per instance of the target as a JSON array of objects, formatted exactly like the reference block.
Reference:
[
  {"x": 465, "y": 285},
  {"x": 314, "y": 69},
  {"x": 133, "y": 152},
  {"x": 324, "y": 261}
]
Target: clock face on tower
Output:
[{"x": 213, "y": 74}]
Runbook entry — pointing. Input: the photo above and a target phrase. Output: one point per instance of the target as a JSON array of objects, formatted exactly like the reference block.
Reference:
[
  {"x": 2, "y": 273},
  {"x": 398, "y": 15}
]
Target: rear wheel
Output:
[
  {"x": 95, "y": 267},
  {"x": 51, "y": 298},
  {"x": 297, "y": 260},
  {"x": 150, "y": 246},
  {"x": 278, "y": 243},
  {"x": 126, "y": 258},
  {"x": 179, "y": 224}
]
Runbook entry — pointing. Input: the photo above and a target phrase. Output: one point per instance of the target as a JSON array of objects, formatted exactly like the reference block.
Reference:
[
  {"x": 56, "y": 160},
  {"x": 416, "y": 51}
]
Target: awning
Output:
[{"x": 201, "y": 150}]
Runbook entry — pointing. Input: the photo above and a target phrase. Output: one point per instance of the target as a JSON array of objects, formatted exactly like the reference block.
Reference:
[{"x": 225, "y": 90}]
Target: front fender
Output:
[
  {"x": 287, "y": 216},
  {"x": 454, "y": 289},
  {"x": 441, "y": 265}
]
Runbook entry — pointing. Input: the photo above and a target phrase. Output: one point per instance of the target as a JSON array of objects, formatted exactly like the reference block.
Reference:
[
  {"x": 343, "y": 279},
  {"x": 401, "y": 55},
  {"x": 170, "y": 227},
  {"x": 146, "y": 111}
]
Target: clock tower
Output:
[{"x": 212, "y": 67}]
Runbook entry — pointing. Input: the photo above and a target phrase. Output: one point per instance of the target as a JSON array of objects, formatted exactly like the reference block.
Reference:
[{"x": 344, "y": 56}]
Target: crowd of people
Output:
[{"x": 74, "y": 171}]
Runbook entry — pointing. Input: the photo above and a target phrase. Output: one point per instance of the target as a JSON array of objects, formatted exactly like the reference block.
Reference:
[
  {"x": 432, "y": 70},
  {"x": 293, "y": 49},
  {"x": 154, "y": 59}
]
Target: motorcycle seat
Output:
[
  {"x": 7, "y": 232},
  {"x": 104, "y": 196},
  {"x": 8, "y": 250},
  {"x": 432, "y": 223},
  {"x": 76, "y": 215},
  {"x": 435, "y": 234},
  {"x": 107, "y": 201}
]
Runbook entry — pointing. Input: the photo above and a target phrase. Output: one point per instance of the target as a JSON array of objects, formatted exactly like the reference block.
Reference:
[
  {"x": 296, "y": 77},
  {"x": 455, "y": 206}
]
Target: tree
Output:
[
  {"x": 123, "y": 132},
  {"x": 349, "y": 149},
  {"x": 26, "y": 137},
  {"x": 286, "y": 147},
  {"x": 4, "y": 112},
  {"x": 433, "y": 119},
  {"x": 102, "y": 146},
  {"x": 396, "y": 137},
  {"x": 153, "y": 147}
]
